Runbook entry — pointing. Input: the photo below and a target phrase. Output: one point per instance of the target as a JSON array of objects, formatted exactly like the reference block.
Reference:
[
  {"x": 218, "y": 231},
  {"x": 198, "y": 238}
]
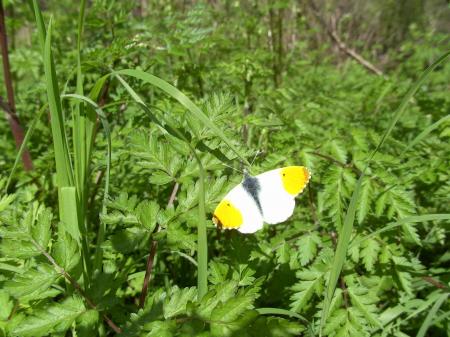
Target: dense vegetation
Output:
[{"x": 140, "y": 117}]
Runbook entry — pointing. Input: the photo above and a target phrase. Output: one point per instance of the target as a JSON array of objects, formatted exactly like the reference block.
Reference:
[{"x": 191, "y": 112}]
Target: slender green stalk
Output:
[
  {"x": 202, "y": 240},
  {"x": 392, "y": 225},
  {"x": 425, "y": 133},
  {"x": 63, "y": 165},
  {"x": 431, "y": 314},
  {"x": 105, "y": 124},
  {"x": 282, "y": 312},
  {"x": 22, "y": 147}
]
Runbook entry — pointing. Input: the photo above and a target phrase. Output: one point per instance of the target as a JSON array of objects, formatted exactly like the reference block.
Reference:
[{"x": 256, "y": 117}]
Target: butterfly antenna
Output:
[
  {"x": 256, "y": 155},
  {"x": 233, "y": 168}
]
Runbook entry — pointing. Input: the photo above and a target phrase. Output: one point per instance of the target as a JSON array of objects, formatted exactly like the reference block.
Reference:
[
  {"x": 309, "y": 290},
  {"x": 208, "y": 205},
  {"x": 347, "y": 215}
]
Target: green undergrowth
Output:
[{"x": 148, "y": 134}]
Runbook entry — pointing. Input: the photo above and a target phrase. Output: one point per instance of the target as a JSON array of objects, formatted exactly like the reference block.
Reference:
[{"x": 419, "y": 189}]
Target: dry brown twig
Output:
[{"x": 332, "y": 32}]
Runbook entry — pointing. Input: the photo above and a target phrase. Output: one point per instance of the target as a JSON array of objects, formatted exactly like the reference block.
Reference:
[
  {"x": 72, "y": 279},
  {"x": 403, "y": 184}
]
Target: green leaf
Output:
[
  {"x": 5, "y": 201},
  {"x": 179, "y": 238},
  {"x": 160, "y": 178},
  {"x": 147, "y": 214},
  {"x": 41, "y": 230},
  {"x": 232, "y": 316},
  {"x": 220, "y": 294},
  {"x": 176, "y": 301},
  {"x": 410, "y": 232},
  {"x": 307, "y": 246},
  {"x": 365, "y": 302},
  {"x": 66, "y": 251},
  {"x": 31, "y": 282},
  {"x": 369, "y": 253},
  {"x": 68, "y": 212},
  {"x": 55, "y": 317},
  {"x": 311, "y": 283},
  {"x": 6, "y": 305},
  {"x": 339, "y": 151},
  {"x": 218, "y": 272}
]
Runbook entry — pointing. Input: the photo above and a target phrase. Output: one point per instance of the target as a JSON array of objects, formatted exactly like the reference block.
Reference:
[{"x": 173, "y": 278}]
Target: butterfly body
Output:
[{"x": 268, "y": 197}]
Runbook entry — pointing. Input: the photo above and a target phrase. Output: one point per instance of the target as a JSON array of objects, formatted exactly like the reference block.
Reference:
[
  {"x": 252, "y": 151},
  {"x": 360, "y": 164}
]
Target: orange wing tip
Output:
[
  {"x": 307, "y": 174},
  {"x": 227, "y": 216}
]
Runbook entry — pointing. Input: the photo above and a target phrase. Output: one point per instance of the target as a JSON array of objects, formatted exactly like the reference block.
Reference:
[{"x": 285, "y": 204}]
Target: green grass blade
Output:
[
  {"x": 28, "y": 135},
  {"x": 63, "y": 166},
  {"x": 431, "y": 314},
  {"x": 202, "y": 239},
  {"x": 282, "y": 312},
  {"x": 40, "y": 24},
  {"x": 183, "y": 100},
  {"x": 69, "y": 214},
  {"x": 347, "y": 228},
  {"x": 392, "y": 225},
  {"x": 341, "y": 250},
  {"x": 106, "y": 128},
  {"x": 406, "y": 99},
  {"x": 79, "y": 120},
  {"x": 425, "y": 133}
]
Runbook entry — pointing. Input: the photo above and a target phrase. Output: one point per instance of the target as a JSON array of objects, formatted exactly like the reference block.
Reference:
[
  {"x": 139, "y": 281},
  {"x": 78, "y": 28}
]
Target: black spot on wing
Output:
[{"x": 251, "y": 186}]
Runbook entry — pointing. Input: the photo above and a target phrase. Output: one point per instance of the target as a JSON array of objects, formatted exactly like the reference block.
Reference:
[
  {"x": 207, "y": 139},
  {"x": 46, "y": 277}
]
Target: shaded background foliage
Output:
[{"x": 302, "y": 82}]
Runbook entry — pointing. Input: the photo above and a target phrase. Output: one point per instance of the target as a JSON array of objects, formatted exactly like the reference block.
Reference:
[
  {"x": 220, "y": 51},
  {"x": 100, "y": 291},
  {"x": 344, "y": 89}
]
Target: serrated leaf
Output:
[
  {"x": 178, "y": 238},
  {"x": 410, "y": 232},
  {"x": 232, "y": 315},
  {"x": 217, "y": 272},
  {"x": 56, "y": 317},
  {"x": 307, "y": 246},
  {"x": 40, "y": 230},
  {"x": 311, "y": 282},
  {"x": 339, "y": 151},
  {"x": 221, "y": 293},
  {"x": 369, "y": 253},
  {"x": 32, "y": 282},
  {"x": 66, "y": 251},
  {"x": 283, "y": 253},
  {"x": 176, "y": 301},
  {"x": 244, "y": 274},
  {"x": 5, "y": 201},
  {"x": 147, "y": 214},
  {"x": 160, "y": 178},
  {"x": 335, "y": 320},
  {"x": 365, "y": 302}
]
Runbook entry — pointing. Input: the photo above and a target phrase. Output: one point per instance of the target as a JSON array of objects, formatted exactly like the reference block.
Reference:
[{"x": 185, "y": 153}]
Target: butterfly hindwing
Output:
[{"x": 238, "y": 210}]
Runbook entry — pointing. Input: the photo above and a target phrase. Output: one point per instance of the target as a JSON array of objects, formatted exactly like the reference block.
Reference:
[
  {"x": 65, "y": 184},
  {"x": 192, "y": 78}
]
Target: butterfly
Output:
[{"x": 268, "y": 197}]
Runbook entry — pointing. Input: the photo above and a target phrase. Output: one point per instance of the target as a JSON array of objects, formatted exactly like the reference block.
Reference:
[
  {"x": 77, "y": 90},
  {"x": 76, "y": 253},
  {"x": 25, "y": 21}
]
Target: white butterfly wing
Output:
[
  {"x": 238, "y": 210},
  {"x": 277, "y": 204},
  {"x": 268, "y": 197}
]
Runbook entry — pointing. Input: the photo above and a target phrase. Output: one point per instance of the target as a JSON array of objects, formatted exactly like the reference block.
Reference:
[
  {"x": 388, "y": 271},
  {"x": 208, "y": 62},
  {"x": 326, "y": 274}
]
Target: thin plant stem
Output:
[
  {"x": 152, "y": 253},
  {"x": 10, "y": 108},
  {"x": 76, "y": 285}
]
